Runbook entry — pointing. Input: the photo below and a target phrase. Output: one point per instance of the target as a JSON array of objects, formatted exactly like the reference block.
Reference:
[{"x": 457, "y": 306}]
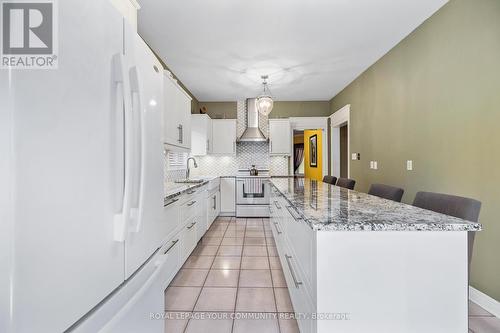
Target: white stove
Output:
[{"x": 252, "y": 193}]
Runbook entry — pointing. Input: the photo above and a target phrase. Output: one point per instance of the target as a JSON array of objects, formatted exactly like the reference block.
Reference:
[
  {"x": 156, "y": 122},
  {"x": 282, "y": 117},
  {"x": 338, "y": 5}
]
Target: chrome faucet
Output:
[{"x": 187, "y": 166}]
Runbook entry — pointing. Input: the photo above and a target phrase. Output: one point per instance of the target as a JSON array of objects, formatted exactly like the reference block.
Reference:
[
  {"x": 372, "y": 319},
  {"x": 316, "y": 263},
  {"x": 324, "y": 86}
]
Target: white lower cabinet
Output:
[
  {"x": 295, "y": 242},
  {"x": 189, "y": 238},
  {"x": 171, "y": 259},
  {"x": 228, "y": 196}
]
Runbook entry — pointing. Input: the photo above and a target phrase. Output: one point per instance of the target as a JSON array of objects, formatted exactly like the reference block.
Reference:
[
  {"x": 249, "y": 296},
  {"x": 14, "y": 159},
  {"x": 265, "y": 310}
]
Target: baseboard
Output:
[
  {"x": 486, "y": 302},
  {"x": 227, "y": 214}
]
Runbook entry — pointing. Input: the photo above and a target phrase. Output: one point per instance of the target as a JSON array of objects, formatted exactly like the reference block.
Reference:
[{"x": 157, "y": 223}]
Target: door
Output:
[
  {"x": 147, "y": 229},
  {"x": 227, "y": 195},
  {"x": 224, "y": 136},
  {"x": 68, "y": 151},
  {"x": 280, "y": 137}
]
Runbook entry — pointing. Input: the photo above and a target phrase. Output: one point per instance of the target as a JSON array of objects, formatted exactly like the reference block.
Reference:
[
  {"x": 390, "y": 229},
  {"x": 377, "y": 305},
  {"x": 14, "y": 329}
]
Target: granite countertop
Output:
[
  {"x": 174, "y": 189},
  {"x": 332, "y": 208}
]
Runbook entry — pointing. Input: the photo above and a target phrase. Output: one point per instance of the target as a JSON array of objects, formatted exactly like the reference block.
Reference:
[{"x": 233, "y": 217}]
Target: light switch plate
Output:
[
  {"x": 354, "y": 156},
  {"x": 375, "y": 165},
  {"x": 409, "y": 165},
  {"x": 372, "y": 164}
]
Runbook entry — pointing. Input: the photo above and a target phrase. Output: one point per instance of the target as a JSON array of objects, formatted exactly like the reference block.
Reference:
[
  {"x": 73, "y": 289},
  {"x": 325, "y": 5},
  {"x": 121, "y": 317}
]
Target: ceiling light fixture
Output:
[{"x": 265, "y": 101}]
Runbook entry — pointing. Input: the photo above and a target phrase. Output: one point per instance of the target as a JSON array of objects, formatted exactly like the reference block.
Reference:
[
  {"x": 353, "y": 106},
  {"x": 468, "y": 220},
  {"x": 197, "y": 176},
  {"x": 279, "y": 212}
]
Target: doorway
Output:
[
  {"x": 344, "y": 134},
  {"x": 340, "y": 143},
  {"x": 298, "y": 153}
]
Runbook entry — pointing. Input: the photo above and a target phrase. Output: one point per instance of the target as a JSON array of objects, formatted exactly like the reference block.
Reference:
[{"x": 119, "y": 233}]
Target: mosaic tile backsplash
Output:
[{"x": 247, "y": 154}]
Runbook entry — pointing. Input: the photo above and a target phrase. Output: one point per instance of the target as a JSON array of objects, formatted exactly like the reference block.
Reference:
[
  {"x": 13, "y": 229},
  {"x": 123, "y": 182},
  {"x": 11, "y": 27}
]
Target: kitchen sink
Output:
[{"x": 189, "y": 181}]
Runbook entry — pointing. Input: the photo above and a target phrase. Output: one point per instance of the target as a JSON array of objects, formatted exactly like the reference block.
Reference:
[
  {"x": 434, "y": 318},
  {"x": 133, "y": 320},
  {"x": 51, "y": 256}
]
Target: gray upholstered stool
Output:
[
  {"x": 346, "y": 183},
  {"x": 330, "y": 180},
  {"x": 464, "y": 208},
  {"x": 386, "y": 192}
]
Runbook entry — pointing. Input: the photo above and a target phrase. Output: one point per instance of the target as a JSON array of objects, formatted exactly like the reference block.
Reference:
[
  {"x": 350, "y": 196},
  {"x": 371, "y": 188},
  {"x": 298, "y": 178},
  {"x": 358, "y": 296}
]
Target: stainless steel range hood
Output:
[{"x": 252, "y": 132}]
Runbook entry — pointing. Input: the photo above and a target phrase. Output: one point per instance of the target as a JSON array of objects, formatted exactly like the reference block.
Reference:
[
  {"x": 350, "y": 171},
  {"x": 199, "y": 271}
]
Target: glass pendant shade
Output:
[{"x": 265, "y": 104}]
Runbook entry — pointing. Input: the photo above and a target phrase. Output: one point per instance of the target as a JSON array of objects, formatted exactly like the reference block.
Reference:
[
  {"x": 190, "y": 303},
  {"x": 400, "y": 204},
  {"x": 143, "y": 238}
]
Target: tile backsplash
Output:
[{"x": 247, "y": 154}]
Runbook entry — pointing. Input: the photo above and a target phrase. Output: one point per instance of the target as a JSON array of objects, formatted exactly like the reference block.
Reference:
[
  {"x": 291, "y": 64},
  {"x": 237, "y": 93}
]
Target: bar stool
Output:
[
  {"x": 386, "y": 192},
  {"x": 330, "y": 180},
  {"x": 346, "y": 183},
  {"x": 464, "y": 208}
]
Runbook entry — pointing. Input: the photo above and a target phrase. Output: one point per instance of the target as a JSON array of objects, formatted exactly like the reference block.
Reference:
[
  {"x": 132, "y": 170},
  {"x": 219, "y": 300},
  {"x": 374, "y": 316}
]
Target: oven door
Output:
[{"x": 252, "y": 191}]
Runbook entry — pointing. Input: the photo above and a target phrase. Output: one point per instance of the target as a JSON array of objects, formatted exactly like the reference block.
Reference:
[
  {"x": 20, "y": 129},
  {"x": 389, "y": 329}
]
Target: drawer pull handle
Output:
[
  {"x": 171, "y": 246},
  {"x": 289, "y": 208},
  {"x": 277, "y": 204},
  {"x": 191, "y": 203},
  {"x": 190, "y": 192},
  {"x": 170, "y": 202},
  {"x": 192, "y": 225},
  {"x": 277, "y": 229},
  {"x": 294, "y": 277}
]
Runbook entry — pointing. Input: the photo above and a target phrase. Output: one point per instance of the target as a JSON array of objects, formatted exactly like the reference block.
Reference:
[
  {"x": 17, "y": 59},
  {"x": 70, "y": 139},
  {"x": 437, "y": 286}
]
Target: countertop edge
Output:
[{"x": 466, "y": 226}]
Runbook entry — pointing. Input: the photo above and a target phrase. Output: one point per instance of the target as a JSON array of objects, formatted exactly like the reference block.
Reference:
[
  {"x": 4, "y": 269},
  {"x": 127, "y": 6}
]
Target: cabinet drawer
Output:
[
  {"x": 189, "y": 208},
  {"x": 188, "y": 238},
  {"x": 170, "y": 255},
  {"x": 302, "y": 240},
  {"x": 299, "y": 294}
]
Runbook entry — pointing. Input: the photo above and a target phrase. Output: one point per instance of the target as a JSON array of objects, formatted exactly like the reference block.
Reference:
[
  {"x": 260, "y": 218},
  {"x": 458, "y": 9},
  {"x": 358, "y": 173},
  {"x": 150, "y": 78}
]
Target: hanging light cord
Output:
[{"x": 266, "y": 86}]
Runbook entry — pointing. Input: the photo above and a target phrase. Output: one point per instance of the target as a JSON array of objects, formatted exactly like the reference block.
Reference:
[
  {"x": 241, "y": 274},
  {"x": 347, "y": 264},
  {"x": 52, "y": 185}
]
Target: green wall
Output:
[
  {"x": 435, "y": 99},
  {"x": 219, "y": 109},
  {"x": 280, "y": 109}
]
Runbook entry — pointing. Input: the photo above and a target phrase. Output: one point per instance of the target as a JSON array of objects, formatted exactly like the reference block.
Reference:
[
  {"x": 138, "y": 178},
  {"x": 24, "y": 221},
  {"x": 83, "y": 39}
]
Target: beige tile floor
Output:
[{"x": 235, "y": 269}]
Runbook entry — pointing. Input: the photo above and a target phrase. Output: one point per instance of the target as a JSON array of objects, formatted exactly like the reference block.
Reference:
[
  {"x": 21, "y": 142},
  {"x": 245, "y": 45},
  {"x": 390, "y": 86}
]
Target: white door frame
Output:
[
  {"x": 337, "y": 120},
  {"x": 306, "y": 123}
]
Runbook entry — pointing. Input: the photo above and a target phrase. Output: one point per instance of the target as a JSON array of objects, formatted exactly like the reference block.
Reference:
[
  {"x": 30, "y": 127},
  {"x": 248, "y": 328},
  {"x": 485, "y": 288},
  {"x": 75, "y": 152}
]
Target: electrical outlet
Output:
[{"x": 409, "y": 165}]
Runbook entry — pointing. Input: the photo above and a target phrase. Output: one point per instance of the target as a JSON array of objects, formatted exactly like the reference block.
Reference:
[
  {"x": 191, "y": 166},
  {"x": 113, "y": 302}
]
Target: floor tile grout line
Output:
[
  {"x": 201, "y": 289},
  {"x": 272, "y": 284},
  {"x": 239, "y": 276}
]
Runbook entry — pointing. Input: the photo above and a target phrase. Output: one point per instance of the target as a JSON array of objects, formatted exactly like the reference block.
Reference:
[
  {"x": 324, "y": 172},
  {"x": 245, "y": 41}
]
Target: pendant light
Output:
[{"x": 265, "y": 100}]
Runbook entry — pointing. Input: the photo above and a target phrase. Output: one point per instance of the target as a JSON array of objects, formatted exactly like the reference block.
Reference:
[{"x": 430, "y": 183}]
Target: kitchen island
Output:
[{"x": 357, "y": 263}]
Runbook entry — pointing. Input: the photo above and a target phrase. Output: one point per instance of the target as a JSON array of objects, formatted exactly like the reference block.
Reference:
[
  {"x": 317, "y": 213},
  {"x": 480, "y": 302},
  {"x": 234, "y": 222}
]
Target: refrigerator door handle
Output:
[
  {"x": 139, "y": 149},
  {"x": 120, "y": 219}
]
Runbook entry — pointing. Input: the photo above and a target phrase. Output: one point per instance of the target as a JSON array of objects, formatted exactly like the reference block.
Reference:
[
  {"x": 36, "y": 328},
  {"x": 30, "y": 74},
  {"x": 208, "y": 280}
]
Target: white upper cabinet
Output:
[
  {"x": 176, "y": 114},
  {"x": 201, "y": 134},
  {"x": 224, "y": 136},
  {"x": 280, "y": 137}
]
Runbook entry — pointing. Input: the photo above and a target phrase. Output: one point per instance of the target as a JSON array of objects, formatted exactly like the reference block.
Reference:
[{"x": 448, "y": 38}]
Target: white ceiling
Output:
[{"x": 311, "y": 49}]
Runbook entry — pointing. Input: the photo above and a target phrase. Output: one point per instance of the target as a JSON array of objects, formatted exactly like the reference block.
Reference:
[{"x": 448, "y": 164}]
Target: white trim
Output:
[
  {"x": 305, "y": 123},
  {"x": 486, "y": 302},
  {"x": 135, "y": 4},
  {"x": 338, "y": 119}
]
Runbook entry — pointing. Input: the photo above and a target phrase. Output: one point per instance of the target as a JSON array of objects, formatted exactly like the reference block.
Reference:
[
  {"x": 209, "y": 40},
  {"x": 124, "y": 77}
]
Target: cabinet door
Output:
[
  {"x": 280, "y": 137},
  {"x": 189, "y": 238},
  {"x": 185, "y": 111},
  {"x": 224, "y": 136},
  {"x": 171, "y": 120},
  {"x": 227, "y": 195}
]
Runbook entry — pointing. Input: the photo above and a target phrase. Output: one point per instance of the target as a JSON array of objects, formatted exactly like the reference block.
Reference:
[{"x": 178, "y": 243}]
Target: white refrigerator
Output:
[{"x": 82, "y": 182}]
